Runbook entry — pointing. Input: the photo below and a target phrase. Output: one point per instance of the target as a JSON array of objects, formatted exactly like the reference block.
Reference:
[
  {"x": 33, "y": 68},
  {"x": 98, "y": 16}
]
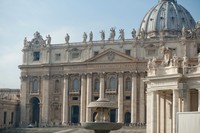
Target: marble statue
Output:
[
  {"x": 121, "y": 34},
  {"x": 133, "y": 33},
  {"x": 185, "y": 61},
  {"x": 102, "y": 35},
  {"x": 84, "y": 37},
  {"x": 142, "y": 34},
  {"x": 167, "y": 54},
  {"x": 112, "y": 34},
  {"x": 184, "y": 34},
  {"x": 174, "y": 60},
  {"x": 91, "y": 36},
  {"x": 25, "y": 42},
  {"x": 48, "y": 39},
  {"x": 67, "y": 37}
]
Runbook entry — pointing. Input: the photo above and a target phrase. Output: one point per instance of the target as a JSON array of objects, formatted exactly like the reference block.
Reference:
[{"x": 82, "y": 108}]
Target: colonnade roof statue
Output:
[{"x": 166, "y": 18}]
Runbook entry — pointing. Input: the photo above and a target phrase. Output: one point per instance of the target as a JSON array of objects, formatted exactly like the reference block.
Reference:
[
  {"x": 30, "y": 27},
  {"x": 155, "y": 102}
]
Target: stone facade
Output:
[
  {"x": 9, "y": 108},
  {"x": 58, "y": 81}
]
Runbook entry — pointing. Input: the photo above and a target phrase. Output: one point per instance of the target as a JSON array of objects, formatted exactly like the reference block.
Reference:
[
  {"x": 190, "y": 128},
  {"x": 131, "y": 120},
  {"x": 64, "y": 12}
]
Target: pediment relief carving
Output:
[{"x": 111, "y": 55}]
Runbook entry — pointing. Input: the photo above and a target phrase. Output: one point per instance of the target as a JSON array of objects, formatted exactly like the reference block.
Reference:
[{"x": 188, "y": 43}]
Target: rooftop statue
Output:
[
  {"x": 102, "y": 35},
  {"x": 48, "y": 39},
  {"x": 67, "y": 37},
  {"x": 167, "y": 54},
  {"x": 185, "y": 61},
  {"x": 91, "y": 36},
  {"x": 26, "y": 43},
  {"x": 133, "y": 33},
  {"x": 121, "y": 36},
  {"x": 84, "y": 37},
  {"x": 112, "y": 34},
  {"x": 142, "y": 34}
]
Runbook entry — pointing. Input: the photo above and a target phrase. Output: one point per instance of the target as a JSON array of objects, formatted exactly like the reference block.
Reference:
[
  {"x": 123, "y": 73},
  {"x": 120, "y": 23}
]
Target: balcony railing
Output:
[
  {"x": 74, "y": 92},
  {"x": 111, "y": 91}
]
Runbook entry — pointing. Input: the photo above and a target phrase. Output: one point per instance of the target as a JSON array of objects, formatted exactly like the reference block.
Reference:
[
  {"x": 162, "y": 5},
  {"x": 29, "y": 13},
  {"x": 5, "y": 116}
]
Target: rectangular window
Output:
[
  {"x": 128, "y": 52},
  {"x": 151, "y": 52},
  {"x": 128, "y": 98},
  {"x": 75, "y": 98},
  {"x": 4, "y": 117},
  {"x": 57, "y": 57},
  {"x": 96, "y": 53},
  {"x": 36, "y": 56},
  {"x": 12, "y": 116},
  {"x": 75, "y": 55}
]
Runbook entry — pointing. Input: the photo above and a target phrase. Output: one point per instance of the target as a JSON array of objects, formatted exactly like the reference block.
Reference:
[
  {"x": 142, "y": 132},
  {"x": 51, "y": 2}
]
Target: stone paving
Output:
[{"x": 69, "y": 130}]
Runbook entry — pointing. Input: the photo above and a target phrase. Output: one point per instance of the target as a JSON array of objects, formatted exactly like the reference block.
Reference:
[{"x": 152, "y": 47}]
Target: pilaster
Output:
[
  {"x": 198, "y": 99},
  {"x": 141, "y": 98},
  {"x": 45, "y": 100}
]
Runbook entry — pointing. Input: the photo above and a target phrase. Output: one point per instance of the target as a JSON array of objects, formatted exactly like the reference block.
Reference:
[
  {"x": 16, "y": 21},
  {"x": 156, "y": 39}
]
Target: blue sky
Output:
[{"x": 21, "y": 18}]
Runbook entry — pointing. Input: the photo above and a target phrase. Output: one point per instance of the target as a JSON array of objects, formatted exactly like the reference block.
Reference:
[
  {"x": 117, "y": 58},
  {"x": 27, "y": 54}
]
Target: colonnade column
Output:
[
  {"x": 187, "y": 101},
  {"x": 102, "y": 85},
  {"x": 134, "y": 98},
  {"x": 65, "y": 116},
  {"x": 45, "y": 100},
  {"x": 120, "y": 98},
  {"x": 154, "y": 111},
  {"x": 175, "y": 109},
  {"x": 199, "y": 100},
  {"x": 89, "y": 97},
  {"x": 83, "y": 98},
  {"x": 142, "y": 100}
]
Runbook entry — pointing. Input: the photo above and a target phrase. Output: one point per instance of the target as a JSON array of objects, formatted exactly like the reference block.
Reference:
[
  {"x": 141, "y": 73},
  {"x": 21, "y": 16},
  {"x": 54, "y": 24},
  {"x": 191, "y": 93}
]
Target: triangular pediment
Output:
[{"x": 111, "y": 55}]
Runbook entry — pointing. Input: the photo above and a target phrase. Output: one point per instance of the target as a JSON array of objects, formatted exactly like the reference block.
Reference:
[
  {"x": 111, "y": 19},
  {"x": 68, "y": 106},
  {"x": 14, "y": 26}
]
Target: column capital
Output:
[
  {"x": 142, "y": 74},
  {"x": 120, "y": 74},
  {"x": 66, "y": 76},
  {"x": 46, "y": 76},
  {"x": 134, "y": 74},
  {"x": 24, "y": 77},
  {"x": 89, "y": 75},
  {"x": 102, "y": 75}
]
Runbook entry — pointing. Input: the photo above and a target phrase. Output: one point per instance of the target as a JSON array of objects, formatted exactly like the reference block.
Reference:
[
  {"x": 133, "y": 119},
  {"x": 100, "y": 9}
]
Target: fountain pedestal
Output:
[{"x": 102, "y": 122}]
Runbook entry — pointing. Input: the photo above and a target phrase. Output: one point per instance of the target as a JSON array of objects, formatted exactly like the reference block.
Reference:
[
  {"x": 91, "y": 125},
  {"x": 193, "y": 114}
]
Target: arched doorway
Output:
[
  {"x": 127, "y": 118},
  {"x": 35, "y": 111},
  {"x": 113, "y": 115},
  {"x": 75, "y": 114}
]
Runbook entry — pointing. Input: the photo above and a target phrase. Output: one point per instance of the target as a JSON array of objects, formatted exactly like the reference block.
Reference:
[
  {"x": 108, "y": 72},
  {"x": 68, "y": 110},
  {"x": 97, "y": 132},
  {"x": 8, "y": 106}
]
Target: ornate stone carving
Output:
[
  {"x": 167, "y": 55},
  {"x": 185, "y": 61},
  {"x": 46, "y": 76},
  {"x": 151, "y": 64},
  {"x": 24, "y": 78},
  {"x": 111, "y": 56},
  {"x": 66, "y": 76},
  {"x": 121, "y": 74},
  {"x": 57, "y": 76}
]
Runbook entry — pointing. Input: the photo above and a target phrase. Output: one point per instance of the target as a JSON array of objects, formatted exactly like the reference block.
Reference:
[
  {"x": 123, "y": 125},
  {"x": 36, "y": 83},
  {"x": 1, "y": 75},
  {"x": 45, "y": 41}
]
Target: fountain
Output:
[{"x": 102, "y": 122}]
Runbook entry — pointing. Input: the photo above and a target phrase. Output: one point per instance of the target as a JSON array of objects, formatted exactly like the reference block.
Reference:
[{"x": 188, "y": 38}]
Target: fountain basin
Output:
[{"x": 101, "y": 126}]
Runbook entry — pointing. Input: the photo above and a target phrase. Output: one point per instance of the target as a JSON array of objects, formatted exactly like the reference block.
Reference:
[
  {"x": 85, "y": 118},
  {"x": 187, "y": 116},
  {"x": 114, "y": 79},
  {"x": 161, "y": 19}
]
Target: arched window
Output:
[
  {"x": 113, "y": 83},
  {"x": 57, "y": 86},
  {"x": 96, "y": 85},
  {"x": 128, "y": 83},
  {"x": 35, "y": 86},
  {"x": 76, "y": 84}
]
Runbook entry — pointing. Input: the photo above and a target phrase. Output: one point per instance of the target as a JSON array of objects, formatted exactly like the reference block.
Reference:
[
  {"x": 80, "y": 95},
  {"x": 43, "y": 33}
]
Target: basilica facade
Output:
[{"x": 58, "y": 81}]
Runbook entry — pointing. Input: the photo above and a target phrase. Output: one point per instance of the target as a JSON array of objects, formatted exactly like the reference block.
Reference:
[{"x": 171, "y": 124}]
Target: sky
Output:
[{"x": 22, "y": 18}]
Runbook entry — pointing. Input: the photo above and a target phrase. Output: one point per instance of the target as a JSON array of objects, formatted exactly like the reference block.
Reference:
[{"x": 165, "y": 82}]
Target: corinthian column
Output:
[
  {"x": 120, "y": 98},
  {"x": 175, "y": 109},
  {"x": 45, "y": 99},
  {"x": 89, "y": 97},
  {"x": 141, "y": 101},
  {"x": 102, "y": 85},
  {"x": 83, "y": 98},
  {"x": 134, "y": 98},
  {"x": 65, "y": 101},
  {"x": 198, "y": 100}
]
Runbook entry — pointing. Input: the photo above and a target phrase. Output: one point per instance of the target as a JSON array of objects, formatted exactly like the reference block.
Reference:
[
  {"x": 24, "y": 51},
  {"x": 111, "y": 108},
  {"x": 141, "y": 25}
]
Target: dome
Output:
[{"x": 166, "y": 19}]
